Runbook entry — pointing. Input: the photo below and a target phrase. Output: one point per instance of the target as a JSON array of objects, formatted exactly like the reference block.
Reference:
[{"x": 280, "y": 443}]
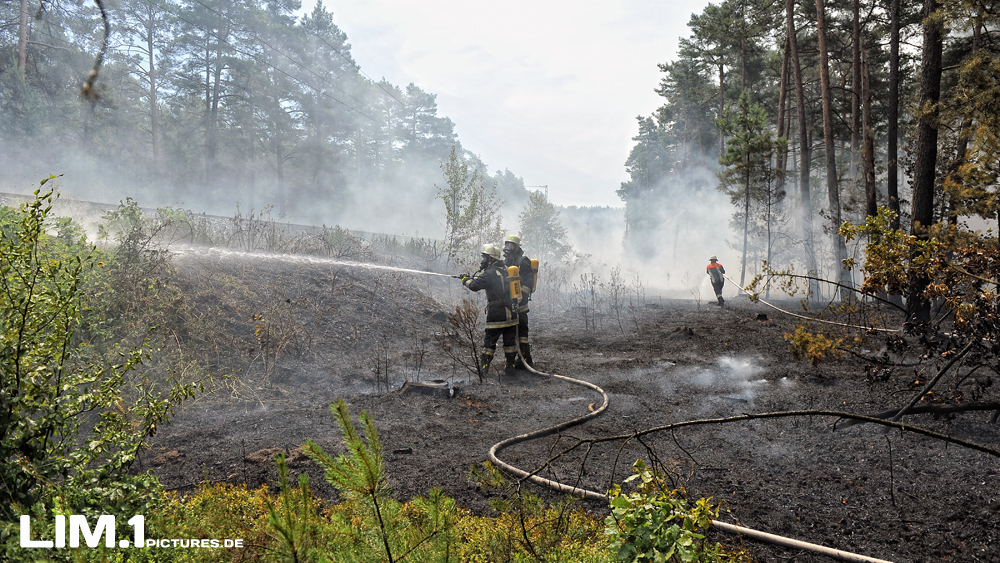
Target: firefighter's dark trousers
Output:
[
  {"x": 717, "y": 286},
  {"x": 509, "y": 335}
]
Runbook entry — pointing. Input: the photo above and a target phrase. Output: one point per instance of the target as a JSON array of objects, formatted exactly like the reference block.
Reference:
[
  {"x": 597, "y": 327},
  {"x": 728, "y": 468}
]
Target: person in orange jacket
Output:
[{"x": 715, "y": 271}]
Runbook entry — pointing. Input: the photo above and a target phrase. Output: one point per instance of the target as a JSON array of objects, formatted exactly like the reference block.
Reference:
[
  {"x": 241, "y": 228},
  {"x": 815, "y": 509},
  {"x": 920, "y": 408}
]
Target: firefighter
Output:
[
  {"x": 514, "y": 256},
  {"x": 715, "y": 271},
  {"x": 501, "y": 317}
]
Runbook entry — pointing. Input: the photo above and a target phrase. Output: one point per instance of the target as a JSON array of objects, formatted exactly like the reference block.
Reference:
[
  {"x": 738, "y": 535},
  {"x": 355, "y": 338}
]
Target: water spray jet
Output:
[{"x": 295, "y": 259}]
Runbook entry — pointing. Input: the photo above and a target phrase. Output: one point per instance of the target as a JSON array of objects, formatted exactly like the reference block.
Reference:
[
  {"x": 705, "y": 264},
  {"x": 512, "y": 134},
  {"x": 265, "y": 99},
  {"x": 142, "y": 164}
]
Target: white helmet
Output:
[{"x": 492, "y": 251}]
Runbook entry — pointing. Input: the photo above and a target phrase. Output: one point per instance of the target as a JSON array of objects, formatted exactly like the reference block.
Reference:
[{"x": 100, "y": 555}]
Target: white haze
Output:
[{"x": 547, "y": 88}]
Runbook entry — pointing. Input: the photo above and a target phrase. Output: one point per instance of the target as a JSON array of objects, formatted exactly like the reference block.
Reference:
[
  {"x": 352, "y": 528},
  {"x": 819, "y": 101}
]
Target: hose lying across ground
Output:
[
  {"x": 814, "y": 319},
  {"x": 593, "y": 495}
]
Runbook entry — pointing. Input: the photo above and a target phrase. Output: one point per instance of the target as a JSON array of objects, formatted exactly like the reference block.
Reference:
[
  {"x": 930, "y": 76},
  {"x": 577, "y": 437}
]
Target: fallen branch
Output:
[
  {"x": 930, "y": 385},
  {"x": 837, "y": 284},
  {"x": 745, "y": 417},
  {"x": 929, "y": 409}
]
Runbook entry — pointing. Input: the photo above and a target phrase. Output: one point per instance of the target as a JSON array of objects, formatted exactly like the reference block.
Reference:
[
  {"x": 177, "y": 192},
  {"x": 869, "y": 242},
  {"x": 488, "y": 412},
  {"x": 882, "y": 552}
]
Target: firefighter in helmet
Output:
[
  {"x": 514, "y": 256},
  {"x": 715, "y": 271},
  {"x": 501, "y": 318}
]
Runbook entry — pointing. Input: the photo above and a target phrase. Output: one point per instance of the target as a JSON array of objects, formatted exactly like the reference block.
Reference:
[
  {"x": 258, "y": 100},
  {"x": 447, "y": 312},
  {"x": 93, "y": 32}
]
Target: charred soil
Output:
[{"x": 891, "y": 495}]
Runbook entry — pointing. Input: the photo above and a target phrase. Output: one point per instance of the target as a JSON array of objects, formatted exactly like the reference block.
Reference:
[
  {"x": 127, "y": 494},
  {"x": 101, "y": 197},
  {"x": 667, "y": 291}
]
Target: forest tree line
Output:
[
  {"x": 817, "y": 112},
  {"x": 216, "y": 102}
]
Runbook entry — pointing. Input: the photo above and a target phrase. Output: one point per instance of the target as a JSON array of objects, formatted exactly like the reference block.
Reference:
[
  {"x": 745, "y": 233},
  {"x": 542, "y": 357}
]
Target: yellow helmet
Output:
[
  {"x": 492, "y": 251},
  {"x": 514, "y": 239},
  {"x": 713, "y": 257}
]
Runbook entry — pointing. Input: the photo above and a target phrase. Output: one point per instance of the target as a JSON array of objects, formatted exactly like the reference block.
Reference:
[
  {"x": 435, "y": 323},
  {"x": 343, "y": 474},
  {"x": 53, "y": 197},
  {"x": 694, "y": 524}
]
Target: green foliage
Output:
[
  {"x": 960, "y": 268},
  {"x": 655, "y": 524},
  {"x": 362, "y": 471},
  {"x": 370, "y": 525},
  {"x": 215, "y": 511},
  {"x": 526, "y": 528},
  {"x": 472, "y": 211},
  {"x": 812, "y": 347},
  {"x": 136, "y": 262},
  {"x": 294, "y": 517},
  {"x": 541, "y": 231},
  {"x": 889, "y": 253},
  {"x": 561, "y": 533},
  {"x": 749, "y": 176},
  {"x": 70, "y": 428}
]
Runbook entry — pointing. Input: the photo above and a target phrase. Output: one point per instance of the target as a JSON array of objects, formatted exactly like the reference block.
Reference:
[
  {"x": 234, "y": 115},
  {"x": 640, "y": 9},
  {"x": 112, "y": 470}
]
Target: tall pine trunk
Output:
[
  {"x": 154, "y": 117},
  {"x": 925, "y": 155},
  {"x": 892, "y": 132},
  {"x": 280, "y": 174},
  {"x": 722, "y": 107},
  {"x": 805, "y": 153},
  {"x": 856, "y": 87},
  {"x": 22, "y": 39},
  {"x": 782, "y": 155},
  {"x": 832, "y": 187},
  {"x": 213, "y": 118},
  {"x": 871, "y": 196}
]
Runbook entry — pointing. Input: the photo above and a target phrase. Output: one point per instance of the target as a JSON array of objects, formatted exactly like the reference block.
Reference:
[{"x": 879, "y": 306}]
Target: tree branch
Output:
[
  {"x": 47, "y": 45},
  {"x": 930, "y": 385}
]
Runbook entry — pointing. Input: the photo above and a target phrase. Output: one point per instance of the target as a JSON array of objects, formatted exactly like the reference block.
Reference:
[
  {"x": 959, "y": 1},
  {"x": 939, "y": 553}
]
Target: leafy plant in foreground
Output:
[
  {"x": 294, "y": 517},
  {"x": 656, "y": 524},
  {"x": 375, "y": 526},
  {"x": 69, "y": 430}
]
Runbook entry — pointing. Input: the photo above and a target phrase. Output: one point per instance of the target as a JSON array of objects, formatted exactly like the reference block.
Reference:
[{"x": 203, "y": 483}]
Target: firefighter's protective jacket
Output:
[
  {"x": 715, "y": 270},
  {"x": 499, "y": 313},
  {"x": 527, "y": 274}
]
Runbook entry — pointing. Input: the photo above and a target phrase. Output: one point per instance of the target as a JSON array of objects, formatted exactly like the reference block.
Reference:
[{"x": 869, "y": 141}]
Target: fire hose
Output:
[
  {"x": 593, "y": 495},
  {"x": 813, "y": 319}
]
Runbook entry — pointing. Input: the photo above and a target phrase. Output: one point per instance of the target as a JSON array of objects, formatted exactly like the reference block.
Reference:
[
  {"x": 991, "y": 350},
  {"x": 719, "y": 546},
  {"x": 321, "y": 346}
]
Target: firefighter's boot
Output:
[
  {"x": 511, "y": 358},
  {"x": 484, "y": 362},
  {"x": 722, "y": 302}
]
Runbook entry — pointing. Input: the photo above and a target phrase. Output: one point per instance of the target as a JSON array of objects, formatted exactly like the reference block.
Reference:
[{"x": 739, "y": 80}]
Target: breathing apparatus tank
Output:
[
  {"x": 514, "y": 283},
  {"x": 534, "y": 268}
]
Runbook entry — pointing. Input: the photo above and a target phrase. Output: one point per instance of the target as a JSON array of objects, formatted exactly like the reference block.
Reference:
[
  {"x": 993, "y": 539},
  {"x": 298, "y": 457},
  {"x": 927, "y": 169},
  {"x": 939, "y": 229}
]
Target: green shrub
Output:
[
  {"x": 655, "y": 524},
  {"x": 70, "y": 429},
  {"x": 369, "y": 525},
  {"x": 526, "y": 528}
]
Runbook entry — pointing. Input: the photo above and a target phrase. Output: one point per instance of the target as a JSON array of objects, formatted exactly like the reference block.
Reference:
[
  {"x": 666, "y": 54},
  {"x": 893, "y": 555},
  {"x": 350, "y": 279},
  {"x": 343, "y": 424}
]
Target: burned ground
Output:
[{"x": 891, "y": 495}]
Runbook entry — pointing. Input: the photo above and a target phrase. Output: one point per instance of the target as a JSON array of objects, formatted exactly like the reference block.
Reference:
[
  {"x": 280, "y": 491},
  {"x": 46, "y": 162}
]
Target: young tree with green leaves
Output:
[
  {"x": 748, "y": 178},
  {"x": 380, "y": 531},
  {"x": 70, "y": 428},
  {"x": 472, "y": 210},
  {"x": 541, "y": 231}
]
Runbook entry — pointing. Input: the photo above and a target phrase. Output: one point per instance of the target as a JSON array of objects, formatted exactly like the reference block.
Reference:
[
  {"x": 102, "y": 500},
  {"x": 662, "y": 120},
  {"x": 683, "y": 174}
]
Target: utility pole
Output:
[{"x": 546, "y": 186}]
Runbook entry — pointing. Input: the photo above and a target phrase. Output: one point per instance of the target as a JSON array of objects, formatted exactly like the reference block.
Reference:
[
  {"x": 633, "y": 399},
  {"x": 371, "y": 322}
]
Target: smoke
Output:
[
  {"x": 674, "y": 228},
  {"x": 595, "y": 231},
  {"x": 732, "y": 379}
]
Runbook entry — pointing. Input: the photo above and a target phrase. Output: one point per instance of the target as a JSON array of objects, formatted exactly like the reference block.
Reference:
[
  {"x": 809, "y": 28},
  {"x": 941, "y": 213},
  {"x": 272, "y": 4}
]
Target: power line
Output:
[
  {"x": 328, "y": 44},
  {"x": 251, "y": 55},
  {"x": 348, "y": 59},
  {"x": 300, "y": 65}
]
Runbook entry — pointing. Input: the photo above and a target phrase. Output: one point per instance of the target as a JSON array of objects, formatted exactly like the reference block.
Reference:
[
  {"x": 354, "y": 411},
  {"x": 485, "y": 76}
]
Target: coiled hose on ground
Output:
[{"x": 593, "y": 495}]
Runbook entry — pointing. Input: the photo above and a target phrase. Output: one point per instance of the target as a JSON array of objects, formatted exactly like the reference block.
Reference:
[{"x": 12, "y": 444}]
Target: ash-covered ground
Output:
[{"x": 891, "y": 495}]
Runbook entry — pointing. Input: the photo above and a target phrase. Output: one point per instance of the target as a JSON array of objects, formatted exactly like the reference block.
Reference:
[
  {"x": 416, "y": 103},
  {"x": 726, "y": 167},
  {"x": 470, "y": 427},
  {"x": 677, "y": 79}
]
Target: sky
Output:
[{"x": 548, "y": 89}]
